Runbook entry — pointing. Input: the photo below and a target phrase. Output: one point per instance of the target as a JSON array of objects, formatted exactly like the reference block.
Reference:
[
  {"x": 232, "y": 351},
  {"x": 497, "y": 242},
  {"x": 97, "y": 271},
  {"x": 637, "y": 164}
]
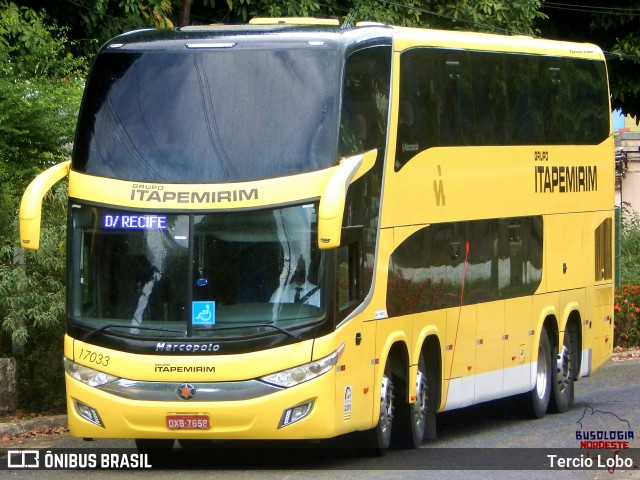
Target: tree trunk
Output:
[{"x": 185, "y": 13}]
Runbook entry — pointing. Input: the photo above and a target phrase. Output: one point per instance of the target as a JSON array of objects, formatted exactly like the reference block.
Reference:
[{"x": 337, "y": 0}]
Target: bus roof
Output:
[
  {"x": 195, "y": 36},
  {"x": 403, "y": 38}
]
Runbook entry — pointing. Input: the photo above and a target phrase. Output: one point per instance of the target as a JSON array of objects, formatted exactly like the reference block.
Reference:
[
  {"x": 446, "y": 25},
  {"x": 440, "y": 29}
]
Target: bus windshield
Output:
[
  {"x": 216, "y": 275},
  {"x": 219, "y": 115}
]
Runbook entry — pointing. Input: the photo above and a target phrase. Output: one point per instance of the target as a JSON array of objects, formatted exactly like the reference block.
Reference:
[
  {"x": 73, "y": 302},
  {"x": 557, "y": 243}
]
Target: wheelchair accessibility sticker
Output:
[{"x": 203, "y": 313}]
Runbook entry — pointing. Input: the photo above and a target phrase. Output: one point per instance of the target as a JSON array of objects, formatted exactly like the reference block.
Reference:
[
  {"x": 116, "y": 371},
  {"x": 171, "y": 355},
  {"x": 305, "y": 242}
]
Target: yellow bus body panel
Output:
[
  {"x": 405, "y": 38},
  {"x": 256, "y": 418}
]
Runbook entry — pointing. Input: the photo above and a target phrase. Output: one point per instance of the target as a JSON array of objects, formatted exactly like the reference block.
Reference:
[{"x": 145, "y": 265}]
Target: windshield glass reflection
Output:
[
  {"x": 209, "y": 116},
  {"x": 224, "y": 274}
]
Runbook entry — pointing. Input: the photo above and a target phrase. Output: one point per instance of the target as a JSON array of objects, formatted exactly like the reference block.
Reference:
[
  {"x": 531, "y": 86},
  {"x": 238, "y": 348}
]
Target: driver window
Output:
[{"x": 365, "y": 101}]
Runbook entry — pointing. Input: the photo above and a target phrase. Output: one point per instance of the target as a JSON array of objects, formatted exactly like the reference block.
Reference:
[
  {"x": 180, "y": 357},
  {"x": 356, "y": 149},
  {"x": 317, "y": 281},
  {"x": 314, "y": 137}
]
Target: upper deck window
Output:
[
  {"x": 365, "y": 100},
  {"x": 219, "y": 115},
  {"x": 454, "y": 98}
]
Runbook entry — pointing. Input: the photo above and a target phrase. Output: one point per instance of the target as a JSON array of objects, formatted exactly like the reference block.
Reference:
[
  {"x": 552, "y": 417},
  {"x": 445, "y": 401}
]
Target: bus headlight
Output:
[
  {"x": 302, "y": 373},
  {"x": 86, "y": 375}
]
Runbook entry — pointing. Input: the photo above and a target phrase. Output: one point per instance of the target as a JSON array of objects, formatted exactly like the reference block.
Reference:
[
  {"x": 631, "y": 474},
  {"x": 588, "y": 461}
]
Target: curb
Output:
[{"x": 34, "y": 425}]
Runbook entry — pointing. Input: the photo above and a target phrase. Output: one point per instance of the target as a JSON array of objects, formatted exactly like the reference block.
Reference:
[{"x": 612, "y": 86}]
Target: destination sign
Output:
[{"x": 135, "y": 222}]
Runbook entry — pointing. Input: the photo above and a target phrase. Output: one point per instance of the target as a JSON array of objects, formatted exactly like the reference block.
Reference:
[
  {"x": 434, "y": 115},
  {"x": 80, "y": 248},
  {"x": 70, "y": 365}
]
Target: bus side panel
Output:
[
  {"x": 517, "y": 346},
  {"x": 460, "y": 356},
  {"x": 602, "y": 326},
  {"x": 355, "y": 393},
  {"x": 564, "y": 251},
  {"x": 578, "y": 253},
  {"x": 489, "y": 351}
]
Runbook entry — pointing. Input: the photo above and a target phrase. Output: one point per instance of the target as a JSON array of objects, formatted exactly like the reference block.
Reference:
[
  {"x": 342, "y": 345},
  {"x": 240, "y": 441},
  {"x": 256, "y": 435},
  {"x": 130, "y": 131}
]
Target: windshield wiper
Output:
[
  {"x": 252, "y": 325},
  {"x": 130, "y": 327},
  {"x": 218, "y": 328}
]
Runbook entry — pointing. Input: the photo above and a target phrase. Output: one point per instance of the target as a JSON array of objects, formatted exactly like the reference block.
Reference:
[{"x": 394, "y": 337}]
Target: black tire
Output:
[
  {"x": 564, "y": 372},
  {"x": 536, "y": 402},
  {"x": 420, "y": 408},
  {"x": 411, "y": 418},
  {"x": 189, "y": 444},
  {"x": 158, "y": 451}
]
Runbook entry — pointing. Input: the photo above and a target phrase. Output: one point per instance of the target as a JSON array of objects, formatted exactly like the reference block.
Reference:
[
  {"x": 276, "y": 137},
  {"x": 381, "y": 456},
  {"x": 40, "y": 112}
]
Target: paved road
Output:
[{"x": 608, "y": 401}]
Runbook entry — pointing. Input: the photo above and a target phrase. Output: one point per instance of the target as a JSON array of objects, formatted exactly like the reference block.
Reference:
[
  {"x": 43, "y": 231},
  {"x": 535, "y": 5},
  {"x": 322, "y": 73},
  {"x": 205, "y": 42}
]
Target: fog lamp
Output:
[
  {"x": 88, "y": 413},
  {"x": 295, "y": 413}
]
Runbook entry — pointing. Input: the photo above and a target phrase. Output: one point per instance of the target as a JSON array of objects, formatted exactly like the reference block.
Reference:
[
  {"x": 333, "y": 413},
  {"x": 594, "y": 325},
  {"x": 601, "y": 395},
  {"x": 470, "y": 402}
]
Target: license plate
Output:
[{"x": 188, "y": 422}]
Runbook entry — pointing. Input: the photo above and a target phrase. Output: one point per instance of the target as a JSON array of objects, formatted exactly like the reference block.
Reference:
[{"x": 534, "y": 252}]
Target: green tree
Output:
[
  {"x": 40, "y": 90},
  {"x": 494, "y": 16},
  {"x": 92, "y": 22}
]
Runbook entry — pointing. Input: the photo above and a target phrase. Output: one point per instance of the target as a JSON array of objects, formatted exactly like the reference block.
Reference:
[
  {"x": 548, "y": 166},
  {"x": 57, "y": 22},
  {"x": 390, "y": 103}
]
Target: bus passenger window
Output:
[{"x": 408, "y": 143}]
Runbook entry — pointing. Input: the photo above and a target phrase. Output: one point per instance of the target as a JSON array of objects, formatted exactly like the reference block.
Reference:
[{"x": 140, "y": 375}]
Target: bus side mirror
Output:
[
  {"x": 31, "y": 205},
  {"x": 333, "y": 197}
]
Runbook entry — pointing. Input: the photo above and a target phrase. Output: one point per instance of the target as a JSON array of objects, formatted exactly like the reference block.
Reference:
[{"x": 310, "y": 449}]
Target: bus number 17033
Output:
[{"x": 94, "y": 357}]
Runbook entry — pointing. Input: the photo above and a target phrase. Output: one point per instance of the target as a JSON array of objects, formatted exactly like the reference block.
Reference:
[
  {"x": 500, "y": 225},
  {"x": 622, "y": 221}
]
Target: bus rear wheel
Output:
[
  {"x": 411, "y": 418},
  {"x": 536, "y": 402},
  {"x": 564, "y": 373},
  {"x": 420, "y": 406}
]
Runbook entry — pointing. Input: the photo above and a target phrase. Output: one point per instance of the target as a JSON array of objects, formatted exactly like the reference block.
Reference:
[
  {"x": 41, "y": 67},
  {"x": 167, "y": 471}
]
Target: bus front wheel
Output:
[
  {"x": 387, "y": 410},
  {"x": 378, "y": 440}
]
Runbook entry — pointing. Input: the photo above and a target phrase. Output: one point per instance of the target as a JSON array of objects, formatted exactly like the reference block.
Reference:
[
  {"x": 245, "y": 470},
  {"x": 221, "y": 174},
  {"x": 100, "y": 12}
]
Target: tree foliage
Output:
[
  {"x": 32, "y": 287},
  {"x": 32, "y": 309},
  {"x": 40, "y": 89},
  {"x": 610, "y": 24},
  {"x": 92, "y": 22},
  {"x": 494, "y": 16},
  {"x": 41, "y": 85}
]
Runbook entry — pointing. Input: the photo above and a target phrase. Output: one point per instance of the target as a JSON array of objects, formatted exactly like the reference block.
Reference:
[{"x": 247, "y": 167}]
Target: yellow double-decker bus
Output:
[{"x": 297, "y": 230}]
